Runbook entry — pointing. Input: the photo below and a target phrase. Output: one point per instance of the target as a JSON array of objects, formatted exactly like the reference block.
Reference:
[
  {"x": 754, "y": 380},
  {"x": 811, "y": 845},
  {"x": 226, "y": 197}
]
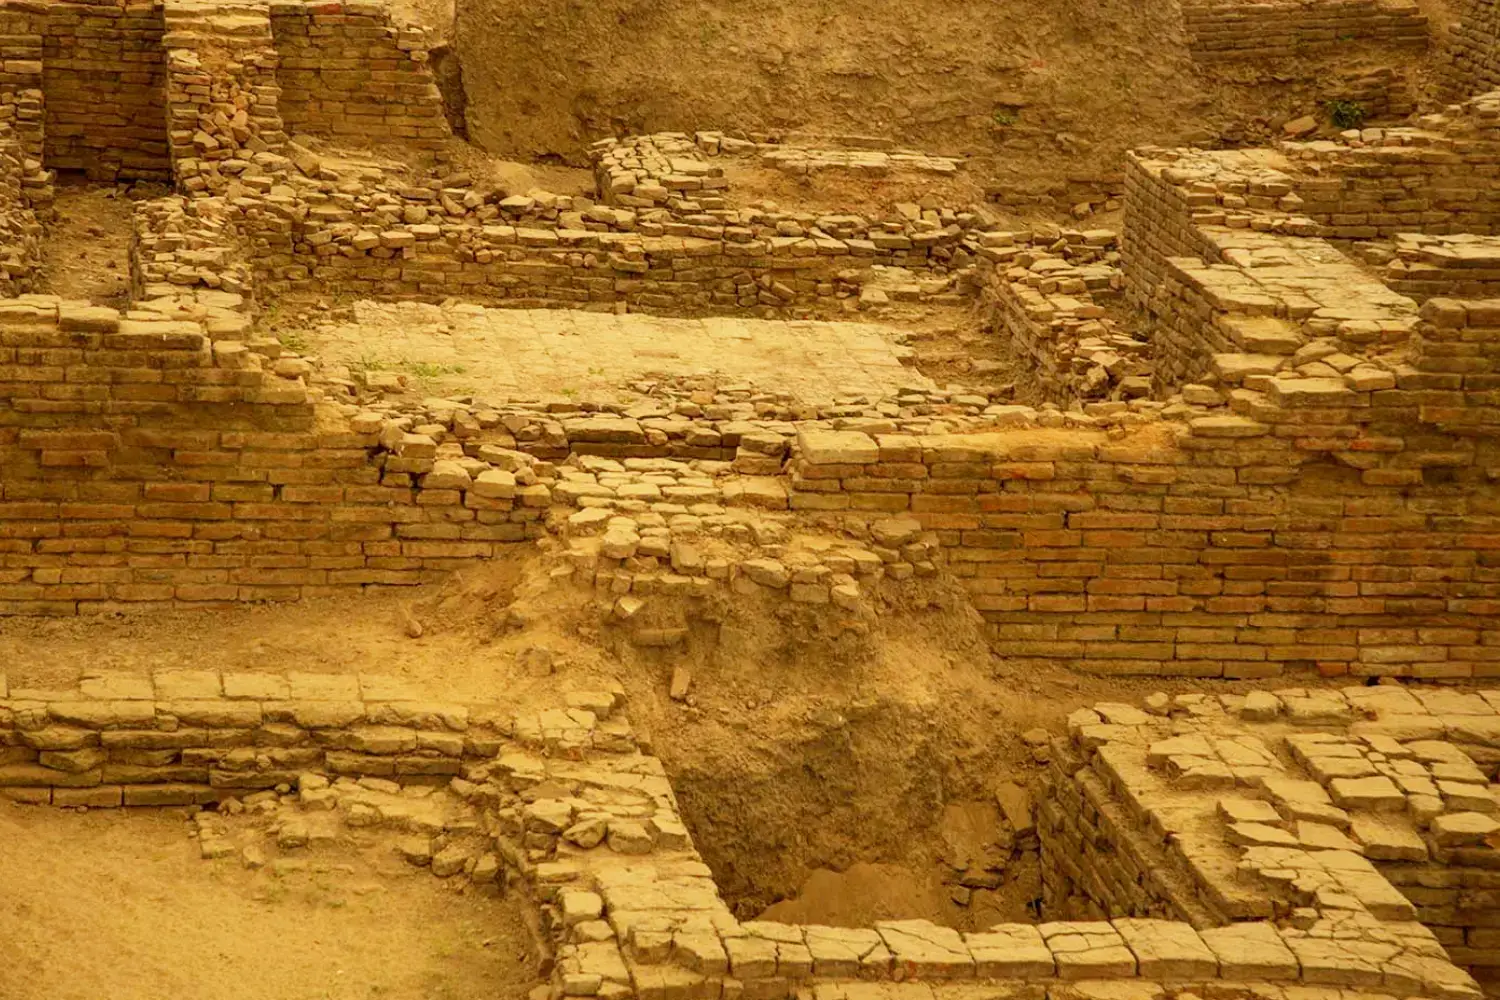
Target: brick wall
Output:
[
  {"x": 221, "y": 92},
  {"x": 1099, "y": 860},
  {"x": 104, "y": 81},
  {"x": 186, "y": 737},
  {"x": 1460, "y": 903},
  {"x": 1462, "y": 267},
  {"x": 1470, "y": 64},
  {"x": 20, "y": 232},
  {"x": 347, "y": 70},
  {"x": 1316, "y": 527},
  {"x": 1220, "y": 31},
  {"x": 530, "y": 266},
  {"x": 21, "y": 75},
  {"x": 142, "y": 464}
]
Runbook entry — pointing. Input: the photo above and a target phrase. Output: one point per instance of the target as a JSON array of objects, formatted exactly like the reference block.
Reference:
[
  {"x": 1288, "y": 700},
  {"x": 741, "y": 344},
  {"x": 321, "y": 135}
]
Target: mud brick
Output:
[
  {"x": 170, "y": 795},
  {"x": 36, "y": 776},
  {"x": 414, "y": 764},
  {"x": 360, "y": 764}
]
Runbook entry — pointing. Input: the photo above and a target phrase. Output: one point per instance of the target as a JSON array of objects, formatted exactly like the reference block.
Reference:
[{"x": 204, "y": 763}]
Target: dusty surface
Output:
[
  {"x": 86, "y": 253},
  {"x": 802, "y": 746},
  {"x": 118, "y": 904},
  {"x": 523, "y": 353},
  {"x": 1038, "y": 92}
]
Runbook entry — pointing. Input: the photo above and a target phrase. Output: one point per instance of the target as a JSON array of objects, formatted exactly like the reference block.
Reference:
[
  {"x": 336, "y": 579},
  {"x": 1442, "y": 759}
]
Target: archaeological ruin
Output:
[{"x": 647, "y": 532}]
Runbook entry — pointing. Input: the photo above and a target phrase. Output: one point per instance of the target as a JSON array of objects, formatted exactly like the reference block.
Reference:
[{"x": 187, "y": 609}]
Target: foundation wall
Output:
[
  {"x": 1224, "y": 31},
  {"x": 187, "y": 737},
  {"x": 142, "y": 465},
  {"x": 1471, "y": 63},
  {"x": 1096, "y": 865},
  {"x": 347, "y": 71},
  {"x": 1372, "y": 192},
  {"x": 533, "y": 268},
  {"x": 104, "y": 78},
  {"x": 1351, "y": 535},
  {"x": 21, "y": 76},
  {"x": 1461, "y": 905}
]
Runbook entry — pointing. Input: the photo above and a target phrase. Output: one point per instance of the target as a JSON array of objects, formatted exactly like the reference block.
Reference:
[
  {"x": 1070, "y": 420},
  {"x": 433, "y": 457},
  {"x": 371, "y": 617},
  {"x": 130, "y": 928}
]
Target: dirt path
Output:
[
  {"x": 117, "y": 905},
  {"x": 86, "y": 252}
]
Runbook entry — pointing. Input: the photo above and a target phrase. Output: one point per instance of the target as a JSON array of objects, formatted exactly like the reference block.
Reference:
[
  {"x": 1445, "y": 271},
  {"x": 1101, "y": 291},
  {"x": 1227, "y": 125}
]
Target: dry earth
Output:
[{"x": 118, "y": 904}]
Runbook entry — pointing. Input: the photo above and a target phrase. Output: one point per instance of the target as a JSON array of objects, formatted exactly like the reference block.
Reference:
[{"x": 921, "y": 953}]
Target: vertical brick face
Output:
[
  {"x": 189, "y": 500},
  {"x": 346, "y": 70},
  {"x": 104, "y": 80},
  {"x": 1471, "y": 63}
]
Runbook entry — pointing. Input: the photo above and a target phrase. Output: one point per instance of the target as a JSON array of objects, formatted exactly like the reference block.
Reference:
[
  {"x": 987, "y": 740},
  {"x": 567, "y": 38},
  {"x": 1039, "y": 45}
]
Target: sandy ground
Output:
[
  {"x": 523, "y": 353},
  {"x": 86, "y": 254},
  {"x": 117, "y": 904}
]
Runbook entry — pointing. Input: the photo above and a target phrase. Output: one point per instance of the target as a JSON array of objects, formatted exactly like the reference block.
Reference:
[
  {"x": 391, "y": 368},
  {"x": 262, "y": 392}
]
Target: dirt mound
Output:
[{"x": 1037, "y": 93}]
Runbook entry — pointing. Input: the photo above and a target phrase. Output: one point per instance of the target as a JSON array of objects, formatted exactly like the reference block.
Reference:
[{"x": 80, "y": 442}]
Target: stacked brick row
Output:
[
  {"x": 21, "y": 76},
  {"x": 221, "y": 92},
  {"x": 1044, "y": 299},
  {"x": 1441, "y": 186},
  {"x": 1098, "y": 857},
  {"x": 1232, "y": 552},
  {"x": 104, "y": 72},
  {"x": 1464, "y": 267},
  {"x": 531, "y": 268},
  {"x": 1458, "y": 903},
  {"x": 1220, "y": 31},
  {"x": 1457, "y": 347},
  {"x": 1247, "y": 316},
  {"x": 186, "y": 737},
  {"x": 1189, "y": 325},
  {"x": 1158, "y": 223},
  {"x": 20, "y": 232},
  {"x": 1471, "y": 64},
  {"x": 144, "y": 464},
  {"x": 347, "y": 70}
]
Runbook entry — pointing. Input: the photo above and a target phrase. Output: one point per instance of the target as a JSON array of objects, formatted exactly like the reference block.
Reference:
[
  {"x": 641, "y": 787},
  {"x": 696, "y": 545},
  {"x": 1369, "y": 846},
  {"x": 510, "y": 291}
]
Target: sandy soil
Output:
[
  {"x": 117, "y": 904},
  {"x": 86, "y": 252},
  {"x": 805, "y": 744},
  {"x": 523, "y": 353}
]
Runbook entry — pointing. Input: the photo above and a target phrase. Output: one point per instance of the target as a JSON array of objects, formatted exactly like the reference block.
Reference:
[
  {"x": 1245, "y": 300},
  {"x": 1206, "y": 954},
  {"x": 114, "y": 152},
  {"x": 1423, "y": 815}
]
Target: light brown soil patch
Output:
[{"x": 118, "y": 905}]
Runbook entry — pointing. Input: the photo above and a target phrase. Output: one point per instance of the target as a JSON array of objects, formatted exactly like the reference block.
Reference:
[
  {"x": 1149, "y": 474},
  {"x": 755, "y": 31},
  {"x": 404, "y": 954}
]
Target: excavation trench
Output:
[{"x": 853, "y": 818}]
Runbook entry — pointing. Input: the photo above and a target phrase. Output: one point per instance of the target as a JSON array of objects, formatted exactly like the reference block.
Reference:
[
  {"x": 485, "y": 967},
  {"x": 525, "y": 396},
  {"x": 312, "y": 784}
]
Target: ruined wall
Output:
[
  {"x": 1471, "y": 61},
  {"x": 221, "y": 92},
  {"x": 530, "y": 268},
  {"x": 191, "y": 737},
  {"x": 21, "y": 75},
  {"x": 1224, "y": 31},
  {"x": 104, "y": 77},
  {"x": 1460, "y": 267},
  {"x": 20, "y": 232},
  {"x": 1319, "y": 526},
  {"x": 1099, "y": 859},
  {"x": 347, "y": 71},
  {"x": 142, "y": 464},
  {"x": 1458, "y": 901}
]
